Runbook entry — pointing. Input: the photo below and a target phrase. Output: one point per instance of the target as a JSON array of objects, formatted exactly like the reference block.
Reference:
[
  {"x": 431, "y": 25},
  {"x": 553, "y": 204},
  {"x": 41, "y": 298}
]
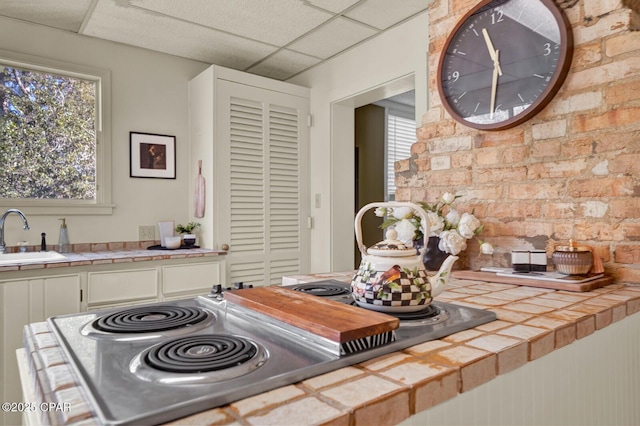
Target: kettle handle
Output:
[{"x": 392, "y": 204}]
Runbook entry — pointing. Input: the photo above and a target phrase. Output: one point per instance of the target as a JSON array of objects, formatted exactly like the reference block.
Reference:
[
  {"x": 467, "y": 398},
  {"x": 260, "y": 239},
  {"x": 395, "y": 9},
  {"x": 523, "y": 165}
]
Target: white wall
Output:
[
  {"x": 372, "y": 71},
  {"x": 149, "y": 94}
]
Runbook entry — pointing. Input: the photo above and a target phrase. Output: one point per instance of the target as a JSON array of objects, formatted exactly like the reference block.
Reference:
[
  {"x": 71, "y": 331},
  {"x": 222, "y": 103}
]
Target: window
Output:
[
  {"x": 401, "y": 134},
  {"x": 51, "y": 152}
]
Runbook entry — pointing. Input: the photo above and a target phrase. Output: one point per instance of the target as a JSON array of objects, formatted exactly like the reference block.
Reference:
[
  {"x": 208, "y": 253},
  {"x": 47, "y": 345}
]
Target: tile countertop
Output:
[
  {"x": 106, "y": 253},
  {"x": 532, "y": 322}
]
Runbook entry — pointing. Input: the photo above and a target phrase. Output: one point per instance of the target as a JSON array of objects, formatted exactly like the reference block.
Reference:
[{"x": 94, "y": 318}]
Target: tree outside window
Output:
[{"x": 47, "y": 135}]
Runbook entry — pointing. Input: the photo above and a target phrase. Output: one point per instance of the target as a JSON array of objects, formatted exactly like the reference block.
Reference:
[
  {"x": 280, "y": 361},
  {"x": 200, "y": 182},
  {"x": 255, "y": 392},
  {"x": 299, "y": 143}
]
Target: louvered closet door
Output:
[{"x": 262, "y": 183}]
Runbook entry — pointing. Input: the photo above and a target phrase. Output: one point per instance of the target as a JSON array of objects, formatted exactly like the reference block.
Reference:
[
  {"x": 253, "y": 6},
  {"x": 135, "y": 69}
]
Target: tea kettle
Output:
[{"x": 392, "y": 276}]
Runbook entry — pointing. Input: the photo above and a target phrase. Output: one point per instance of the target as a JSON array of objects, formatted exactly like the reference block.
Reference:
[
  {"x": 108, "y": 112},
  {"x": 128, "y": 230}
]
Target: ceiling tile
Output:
[
  {"x": 283, "y": 64},
  {"x": 63, "y": 14},
  {"x": 151, "y": 31},
  {"x": 274, "y": 22},
  {"x": 335, "y": 6},
  {"x": 378, "y": 14},
  {"x": 332, "y": 38}
]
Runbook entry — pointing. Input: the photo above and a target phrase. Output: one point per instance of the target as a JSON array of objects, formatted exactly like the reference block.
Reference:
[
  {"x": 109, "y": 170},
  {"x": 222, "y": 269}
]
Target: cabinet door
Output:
[
  {"x": 122, "y": 286},
  {"x": 24, "y": 302},
  {"x": 194, "y": 278},
  {"x": 261, "y": 165},
  {"x": 60, "y": 295}
]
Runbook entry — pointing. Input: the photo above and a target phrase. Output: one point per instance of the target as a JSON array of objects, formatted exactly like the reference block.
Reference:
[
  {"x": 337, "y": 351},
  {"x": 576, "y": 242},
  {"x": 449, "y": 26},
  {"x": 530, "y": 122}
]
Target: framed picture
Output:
[{"x": 152, "y": 156}]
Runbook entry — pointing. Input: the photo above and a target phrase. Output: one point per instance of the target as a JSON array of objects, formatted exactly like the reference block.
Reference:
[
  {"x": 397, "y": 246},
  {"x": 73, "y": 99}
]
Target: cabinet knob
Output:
[{"x": 225, "y": 247}]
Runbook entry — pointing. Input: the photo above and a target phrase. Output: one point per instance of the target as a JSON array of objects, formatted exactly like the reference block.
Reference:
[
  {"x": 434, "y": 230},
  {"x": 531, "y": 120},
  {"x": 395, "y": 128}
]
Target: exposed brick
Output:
[
  {"x": 450, "y": 144},
  {"x": 626, "y": 164},
  {"x": 623, "y": 93},
  {"x": 627, "y": 275},
  {"x": 418, "y": 148},
  {"x": 402, "y": 165},
  {"x": 601, "y": 7},
  {"x": 513, "y": 136},
  {"x": 508, "y": 174},
  {"x": 627, "y": 253},
  {"x": 422, "y": 164},
  {"x": 403, "y": 194},
  {"x": 548, "y": 130},
  {"x": 428, "y": 131},
  {"x": 621, "y": 44},
  {"x": 507, "y": 210},
  {"x": 626, "y": 208},
  {"x": 596, "y": 76},
  {"x": 532, "y": 191},
  {"x": 487, "y": 157},
  {"x": 631, "y": 231},
  {"x": 453, "y": 178},
  {"x": 462, "y": 159},
  {"x": 559, "y": 210},
  {"x": 550, "y": 148},
  {"x": 603, "y": 187},
  {"x": 611, "y": 119},
  {"x": 570, "y": 172},
  {"x": 557, "y": 169},
  {"x": 577, "y": 147},
  {"x": 611, "y": 23},
  {"x": 586, "y": 55},
  {"x": 600, "y": 231},
  {"x": 611, "y": 142}
]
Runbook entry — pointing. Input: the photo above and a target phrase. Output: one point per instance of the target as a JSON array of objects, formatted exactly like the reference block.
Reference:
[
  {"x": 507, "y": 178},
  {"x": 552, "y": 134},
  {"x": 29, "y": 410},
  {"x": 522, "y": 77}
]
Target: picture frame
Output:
[{"x": 152, "y": 155}]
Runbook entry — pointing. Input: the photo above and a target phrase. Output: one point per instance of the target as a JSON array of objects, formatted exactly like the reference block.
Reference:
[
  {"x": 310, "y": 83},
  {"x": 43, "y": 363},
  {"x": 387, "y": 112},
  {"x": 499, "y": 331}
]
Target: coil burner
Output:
[
  {"x": 149, "y": 322},
  {"x": 322, "y": 290},
  {"x": 196, "y": 359}
]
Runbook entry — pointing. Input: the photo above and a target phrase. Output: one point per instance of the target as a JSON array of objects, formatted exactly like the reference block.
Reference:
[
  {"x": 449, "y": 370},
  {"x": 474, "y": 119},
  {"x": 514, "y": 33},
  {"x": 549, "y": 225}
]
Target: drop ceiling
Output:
[{"x": 273, "y": 38}]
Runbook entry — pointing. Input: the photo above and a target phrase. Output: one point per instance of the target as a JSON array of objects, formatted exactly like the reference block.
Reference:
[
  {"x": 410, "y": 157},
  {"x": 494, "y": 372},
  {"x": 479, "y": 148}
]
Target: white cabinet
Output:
[
  {"x": 24, "y": 301},
  {"x": 30, "y": 296},
  {"x": 110, "y": 288},
  {"x": 187, "y": 280},
  {"x": 252, "y": 135}
]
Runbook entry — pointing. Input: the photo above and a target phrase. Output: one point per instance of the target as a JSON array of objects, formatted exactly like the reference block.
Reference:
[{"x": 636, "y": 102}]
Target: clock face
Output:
[{"x": 504, "y": 62}]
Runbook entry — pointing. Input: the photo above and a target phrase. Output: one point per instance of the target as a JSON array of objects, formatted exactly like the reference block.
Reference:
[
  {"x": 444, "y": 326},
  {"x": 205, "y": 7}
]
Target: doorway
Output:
[{"x": 383, "y": 134}]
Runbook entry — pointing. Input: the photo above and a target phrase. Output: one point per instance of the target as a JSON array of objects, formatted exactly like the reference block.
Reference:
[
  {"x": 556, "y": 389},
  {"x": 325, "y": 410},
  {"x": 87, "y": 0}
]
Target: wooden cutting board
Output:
[
  {"x": 494, "y": 278},
  {"x": 333, "y": 320}
]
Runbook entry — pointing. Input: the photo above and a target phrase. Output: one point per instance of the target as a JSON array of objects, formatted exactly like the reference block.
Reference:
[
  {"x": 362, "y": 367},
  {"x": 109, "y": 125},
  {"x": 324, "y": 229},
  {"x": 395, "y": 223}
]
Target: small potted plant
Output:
[{"x": 188, "y": 237}]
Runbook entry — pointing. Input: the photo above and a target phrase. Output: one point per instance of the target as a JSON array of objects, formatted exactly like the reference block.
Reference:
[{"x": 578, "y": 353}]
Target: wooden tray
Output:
[
  {"x": 495, "y": 278},
  {"x": 333, "y": 320}
]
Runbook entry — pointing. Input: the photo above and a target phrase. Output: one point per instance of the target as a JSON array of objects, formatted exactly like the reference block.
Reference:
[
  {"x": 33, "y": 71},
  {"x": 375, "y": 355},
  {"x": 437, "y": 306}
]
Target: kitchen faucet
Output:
[{"x": 2, "y": 218}]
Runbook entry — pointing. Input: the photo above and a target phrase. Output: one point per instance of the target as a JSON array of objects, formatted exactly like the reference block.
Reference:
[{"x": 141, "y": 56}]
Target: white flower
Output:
[
  {"x": 486, "y": 248},
  {"x": 468, "y": 225},
  {"x": 452, "y": 242},
  {"x": 406, "y": 231},
  {"x": 381, "y": 212},
  {"x": 436, "y": 224},
  {"x": 453, "y": 217},
  {"x": 402, "y": 212},
  {"x": 448, "y": 198}
]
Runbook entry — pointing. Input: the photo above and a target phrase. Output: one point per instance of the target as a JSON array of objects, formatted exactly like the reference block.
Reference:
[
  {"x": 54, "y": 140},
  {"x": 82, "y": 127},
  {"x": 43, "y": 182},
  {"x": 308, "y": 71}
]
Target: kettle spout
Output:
[{"x": 439, "y": 281}]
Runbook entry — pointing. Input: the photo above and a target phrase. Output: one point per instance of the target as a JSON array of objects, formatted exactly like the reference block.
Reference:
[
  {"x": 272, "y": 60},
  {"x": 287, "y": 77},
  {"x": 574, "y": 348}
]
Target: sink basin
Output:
[{"x": 30, "y": 257}]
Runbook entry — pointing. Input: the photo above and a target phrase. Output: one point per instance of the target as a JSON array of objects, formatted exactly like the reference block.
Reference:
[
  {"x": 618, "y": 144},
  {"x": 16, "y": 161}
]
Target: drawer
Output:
[
  {"x": 108, "y": 287},
  {"x": 190, "y": 278}
]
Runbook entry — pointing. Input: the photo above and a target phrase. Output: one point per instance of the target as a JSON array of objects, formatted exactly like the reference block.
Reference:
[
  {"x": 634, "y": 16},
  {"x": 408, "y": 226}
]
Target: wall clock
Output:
[{"x": 503, "y": 62}]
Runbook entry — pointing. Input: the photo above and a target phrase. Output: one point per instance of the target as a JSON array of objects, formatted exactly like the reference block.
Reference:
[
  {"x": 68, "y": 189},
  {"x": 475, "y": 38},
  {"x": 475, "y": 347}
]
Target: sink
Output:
[{"x": 30, "y": 257}]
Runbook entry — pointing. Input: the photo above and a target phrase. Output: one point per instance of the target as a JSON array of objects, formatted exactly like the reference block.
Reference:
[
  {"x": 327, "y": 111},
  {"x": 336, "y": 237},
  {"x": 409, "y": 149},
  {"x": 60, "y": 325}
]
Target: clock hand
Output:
[
  {"x": 492, "y": 51},
  {"x": 494, "y": 84}
]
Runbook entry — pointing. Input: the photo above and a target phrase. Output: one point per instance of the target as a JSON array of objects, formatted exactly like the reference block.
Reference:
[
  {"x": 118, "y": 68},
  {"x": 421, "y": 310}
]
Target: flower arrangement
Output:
[{"x": 445, "y": 222}]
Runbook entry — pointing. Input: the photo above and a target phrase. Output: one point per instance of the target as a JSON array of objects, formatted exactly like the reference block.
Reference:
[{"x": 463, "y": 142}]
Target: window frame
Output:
[{"x": 102, "y": 204}]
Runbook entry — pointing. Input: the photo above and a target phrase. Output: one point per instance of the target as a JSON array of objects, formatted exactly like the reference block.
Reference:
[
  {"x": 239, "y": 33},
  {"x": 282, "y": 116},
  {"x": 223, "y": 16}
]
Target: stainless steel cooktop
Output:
[{"x": 181, "y": 357}]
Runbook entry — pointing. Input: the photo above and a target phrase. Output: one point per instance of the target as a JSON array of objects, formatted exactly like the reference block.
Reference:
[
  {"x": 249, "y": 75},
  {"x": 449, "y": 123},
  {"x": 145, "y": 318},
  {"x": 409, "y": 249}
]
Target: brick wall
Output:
[{"x": 572, "y": 171}]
